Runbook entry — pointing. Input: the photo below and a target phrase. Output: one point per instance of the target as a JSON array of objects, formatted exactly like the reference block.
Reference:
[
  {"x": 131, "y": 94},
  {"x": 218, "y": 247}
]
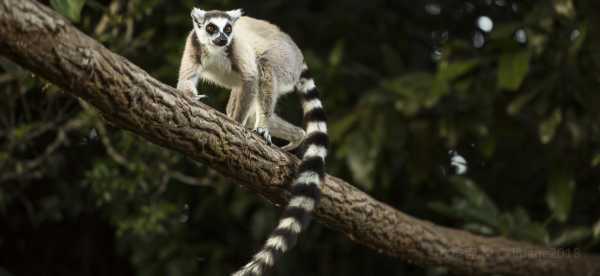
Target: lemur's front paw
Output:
[{"x": 264, "y": 133}]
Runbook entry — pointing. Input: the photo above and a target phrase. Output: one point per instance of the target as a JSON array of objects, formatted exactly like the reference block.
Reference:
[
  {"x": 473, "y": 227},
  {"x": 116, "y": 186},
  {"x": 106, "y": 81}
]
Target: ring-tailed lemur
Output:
[{"x": 260, "y": 63}]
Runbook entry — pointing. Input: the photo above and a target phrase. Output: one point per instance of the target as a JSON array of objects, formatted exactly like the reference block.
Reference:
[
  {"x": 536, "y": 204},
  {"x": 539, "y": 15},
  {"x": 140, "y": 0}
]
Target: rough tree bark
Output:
[{"x": 44, "y": 42}]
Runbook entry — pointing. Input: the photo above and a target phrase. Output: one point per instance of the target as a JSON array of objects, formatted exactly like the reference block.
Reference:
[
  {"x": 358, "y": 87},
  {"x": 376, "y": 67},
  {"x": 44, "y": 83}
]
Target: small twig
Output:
[
  {"x": 30, "y": 165},
  {"x": 104, "y": 22},
  {"x": 6, "y": 78},
  {"x": 105, "y": 139},
  {"x": 110, "y": 150}
]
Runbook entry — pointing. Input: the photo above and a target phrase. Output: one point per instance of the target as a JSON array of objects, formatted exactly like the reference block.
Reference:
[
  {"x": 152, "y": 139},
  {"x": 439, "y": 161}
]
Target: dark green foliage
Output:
[
  {"x": 68, "y": 8},
  {"x": 404, "y": 82}
]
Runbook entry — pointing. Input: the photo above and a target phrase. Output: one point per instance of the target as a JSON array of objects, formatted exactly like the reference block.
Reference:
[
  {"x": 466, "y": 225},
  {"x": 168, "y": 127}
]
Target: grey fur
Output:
[{"x": 273, "y": 60}]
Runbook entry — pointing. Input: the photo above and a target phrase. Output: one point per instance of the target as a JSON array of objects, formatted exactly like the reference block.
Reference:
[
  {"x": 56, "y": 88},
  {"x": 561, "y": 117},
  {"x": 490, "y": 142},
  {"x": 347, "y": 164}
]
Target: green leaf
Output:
[
  {"x": 518, "y": 103},
  {"x": 512, "y": 70},
  {"x": 596, "y": 160},
  {"x": 447, "y": 72},
  {"x": 69, "y": 8},
  {"x": 549, "y": 126},
  {"x": 479, "y": 229},
  {"x": 336, "y": 55},
  {"x": 450, "y": 71},
  {"x": 475, "y": 206},
  {"x": 443, "y": 209},
  {"x": 505, "y": 30},
  {"x": 559, "y": 196},
  {"x": 572, "y": 236},
  {"x": 488, "y": 147},
  {"x": 345, "y": 125},
  {"x": 518, "y": 225},
  {"x": 414, "y": 92},
  {"x": 564, "y": 8},
  {"x": 534, "y": 232},
  {"x": 475, "y": 195},
  {"x": 360, "y": 159},
  {"x": 596, "y": 230}
]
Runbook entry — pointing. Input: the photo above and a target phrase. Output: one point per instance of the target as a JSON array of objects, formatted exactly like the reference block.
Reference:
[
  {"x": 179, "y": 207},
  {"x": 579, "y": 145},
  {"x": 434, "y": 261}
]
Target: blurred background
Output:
[{"x": 478, "y": 115}]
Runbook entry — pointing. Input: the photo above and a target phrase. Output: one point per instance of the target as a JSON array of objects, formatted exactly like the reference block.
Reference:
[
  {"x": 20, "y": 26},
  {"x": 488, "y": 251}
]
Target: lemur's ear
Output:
[
  {"x": 235, "y": 14},
  {"x": 198, "y": 14}
]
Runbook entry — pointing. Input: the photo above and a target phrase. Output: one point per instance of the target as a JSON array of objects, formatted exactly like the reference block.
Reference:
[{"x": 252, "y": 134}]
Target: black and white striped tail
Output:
[{"x": 305, "y": 188}]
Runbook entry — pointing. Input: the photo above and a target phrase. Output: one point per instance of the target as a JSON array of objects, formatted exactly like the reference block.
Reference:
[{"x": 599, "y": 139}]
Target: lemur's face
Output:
[{"x": 215, "y": 28}]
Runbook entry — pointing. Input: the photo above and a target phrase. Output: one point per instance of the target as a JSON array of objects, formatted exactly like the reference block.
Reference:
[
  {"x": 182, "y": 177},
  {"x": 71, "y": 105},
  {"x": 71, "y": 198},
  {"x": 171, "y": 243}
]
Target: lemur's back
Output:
[{"x": 267, "y": 39}]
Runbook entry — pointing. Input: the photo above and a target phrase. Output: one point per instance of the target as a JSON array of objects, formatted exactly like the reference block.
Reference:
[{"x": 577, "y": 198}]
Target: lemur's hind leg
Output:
[
  {"x": 283, "y": 129},
  {"x": 278, "y": 127},
  {"x": 233, "y": 103},
  {"x": 266, "y": 103}
]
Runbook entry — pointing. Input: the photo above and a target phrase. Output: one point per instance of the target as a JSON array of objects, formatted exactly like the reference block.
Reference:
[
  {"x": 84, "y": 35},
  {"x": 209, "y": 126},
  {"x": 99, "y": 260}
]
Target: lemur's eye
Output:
[
  {"x": 227, "y": 29},
  {"x": 211, "y": 28}
]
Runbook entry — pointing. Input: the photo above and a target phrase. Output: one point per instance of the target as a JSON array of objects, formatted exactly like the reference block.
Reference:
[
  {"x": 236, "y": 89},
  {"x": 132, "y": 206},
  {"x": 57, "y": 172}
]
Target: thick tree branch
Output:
[{"x": 42, "y": 41}]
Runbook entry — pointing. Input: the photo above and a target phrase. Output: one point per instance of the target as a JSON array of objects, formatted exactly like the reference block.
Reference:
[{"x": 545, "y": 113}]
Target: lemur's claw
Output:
[
  {"x": 264, "y": 133},
  {"x": 199, "y": 97}
]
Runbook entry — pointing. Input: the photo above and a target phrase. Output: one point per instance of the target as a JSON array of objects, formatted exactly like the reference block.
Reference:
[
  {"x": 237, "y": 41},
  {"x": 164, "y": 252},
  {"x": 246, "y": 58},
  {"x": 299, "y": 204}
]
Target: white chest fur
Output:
[{"x": 218, "y": 69}]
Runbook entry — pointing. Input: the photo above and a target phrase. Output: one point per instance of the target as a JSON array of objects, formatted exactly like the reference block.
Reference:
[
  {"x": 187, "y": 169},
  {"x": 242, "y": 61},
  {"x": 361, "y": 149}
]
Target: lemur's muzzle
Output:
[{"x": 221, "y": 40}]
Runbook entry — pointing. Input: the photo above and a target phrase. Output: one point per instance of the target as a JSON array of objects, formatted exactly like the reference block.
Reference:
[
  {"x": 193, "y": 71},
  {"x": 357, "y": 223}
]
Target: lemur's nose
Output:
[{"x": 221, "y": 40}]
